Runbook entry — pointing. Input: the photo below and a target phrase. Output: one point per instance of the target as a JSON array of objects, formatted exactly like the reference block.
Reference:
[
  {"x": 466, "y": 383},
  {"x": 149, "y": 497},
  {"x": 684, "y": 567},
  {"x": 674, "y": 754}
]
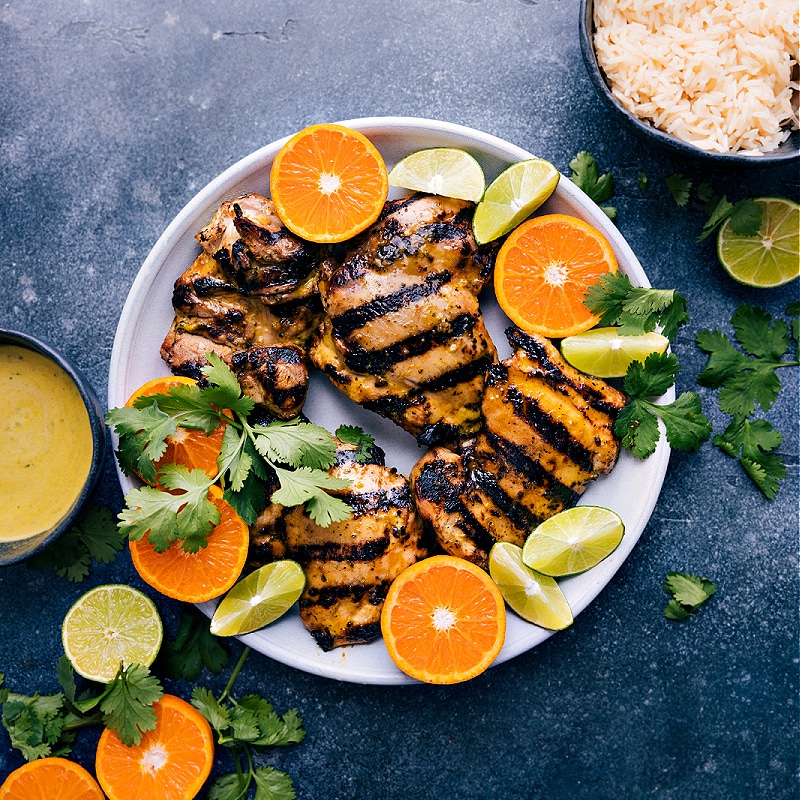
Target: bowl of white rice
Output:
[{"x": 716, "y": 79}]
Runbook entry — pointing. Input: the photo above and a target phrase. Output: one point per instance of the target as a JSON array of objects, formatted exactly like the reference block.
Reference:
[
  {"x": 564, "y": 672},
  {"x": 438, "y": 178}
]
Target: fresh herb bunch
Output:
[
  {"x": 586, "y": 176},
  {"x": 636, "y": 310},
  {"x": 293, "y": 455},
  {"x": 688, "y": 592},
  {"x": 242, "y": 725},
  {"x": 746, "y": 380}
]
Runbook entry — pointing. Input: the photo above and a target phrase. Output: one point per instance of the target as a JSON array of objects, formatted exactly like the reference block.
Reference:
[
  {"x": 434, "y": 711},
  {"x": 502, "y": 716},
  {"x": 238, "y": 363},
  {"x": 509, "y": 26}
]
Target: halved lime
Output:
[
  {"x": 606, "y": 353},
  {"x": 512, "y": 197},
  {"x": 108, "y": 626},
  {"x": 445, "y": 171},
  {"x": 535, "y": 597},
  {"x": 573, "y": 540},
  {"x": 772, "y": 256},
  {"x": 260, "y": 598}
]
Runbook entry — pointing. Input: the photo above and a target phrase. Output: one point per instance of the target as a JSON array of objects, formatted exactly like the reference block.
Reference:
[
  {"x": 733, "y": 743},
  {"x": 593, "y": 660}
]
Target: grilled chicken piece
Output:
[
  {"x": 264, "y": 258},
  {"x": 263, "y": 344},
  {"x": 349, "y": 565},
  {"x": 547, "y": 434},
  {"x": 403, "y": 334}
]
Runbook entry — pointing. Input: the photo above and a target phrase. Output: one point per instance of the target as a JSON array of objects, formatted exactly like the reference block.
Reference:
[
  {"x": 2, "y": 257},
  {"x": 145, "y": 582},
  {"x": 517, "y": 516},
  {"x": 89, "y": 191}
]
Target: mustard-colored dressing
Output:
[{"x": 46, "y": 439}]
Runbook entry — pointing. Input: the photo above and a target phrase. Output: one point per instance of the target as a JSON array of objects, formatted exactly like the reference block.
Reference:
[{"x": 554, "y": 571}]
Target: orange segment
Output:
[
  {"x": 172, "y": 762},
  {"x": 191, "y": 448},
  {"x": 443, "y": 620},
  {"x": 328, "y": 183},
  {"x": 50, "y": 779},
  {"x": 543, "y": 271},
  {"x": 204, "y": 575}
]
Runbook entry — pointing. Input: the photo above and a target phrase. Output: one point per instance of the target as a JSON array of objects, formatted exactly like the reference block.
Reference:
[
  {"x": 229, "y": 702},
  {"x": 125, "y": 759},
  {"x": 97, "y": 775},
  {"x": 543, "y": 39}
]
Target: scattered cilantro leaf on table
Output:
[
  {"x": 644, "y": 181},
  {"x": 586, "y": 176},
  {"x": 193, "y": 648},
  {"x": 745, "y": 216},
  {"x": 746, "y": 379},
  {"x": 295, "y": 454},
  {"x": 679, "y": 187},
  {"x": 688, "y": 592},
  {"x": 95, "y": 537}
]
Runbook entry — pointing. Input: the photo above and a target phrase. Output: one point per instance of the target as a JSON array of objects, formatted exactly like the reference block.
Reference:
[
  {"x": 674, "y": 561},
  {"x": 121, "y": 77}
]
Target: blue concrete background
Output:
[{"x": 114, "y": 114}]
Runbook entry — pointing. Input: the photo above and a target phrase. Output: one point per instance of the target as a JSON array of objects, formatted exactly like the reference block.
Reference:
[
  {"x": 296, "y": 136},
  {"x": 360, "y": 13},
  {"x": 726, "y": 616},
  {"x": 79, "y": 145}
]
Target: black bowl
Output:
[
  {"x": 787, "y": 153},
  {"x": 12, "y": 551}
]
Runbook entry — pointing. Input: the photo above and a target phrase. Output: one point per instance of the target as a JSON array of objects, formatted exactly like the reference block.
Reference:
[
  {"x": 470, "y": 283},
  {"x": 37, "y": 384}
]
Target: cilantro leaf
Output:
[
  {"x": 679, "y": 188},
  {"x": 127, "y": 705},
  {"x": 752, "y": 442},
  {"x": 295, "y": 443},
  {"x": 272, "y": 784},
  {"x": 363, "y": 442},
  {"x": 688, "y": 592},
  {"x": 310, "y": 486},
  {"x": 34, "y": 724},
  {"x": 745, "y": 216},
  {"x": 586, "y": 176},
  {"x": 95, "y": 537},
  {"x": 224, "y": 391},
  {"x": 644, "y": 181},
  {"x": 193, "y": 648}
]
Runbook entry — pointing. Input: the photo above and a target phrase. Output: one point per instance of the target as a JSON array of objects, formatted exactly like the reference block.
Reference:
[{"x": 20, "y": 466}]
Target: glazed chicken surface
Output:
[
  {"x": 403, "y": 334},
  {"x": 547, "y": 433},
  {"x": 349, "y": 565},
  {"x": 257, "y": 314}
]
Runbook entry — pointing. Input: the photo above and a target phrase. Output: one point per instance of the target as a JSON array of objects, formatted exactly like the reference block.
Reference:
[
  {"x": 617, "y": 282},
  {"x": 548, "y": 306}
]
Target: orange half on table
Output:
[{"x": 50, "y": 779}]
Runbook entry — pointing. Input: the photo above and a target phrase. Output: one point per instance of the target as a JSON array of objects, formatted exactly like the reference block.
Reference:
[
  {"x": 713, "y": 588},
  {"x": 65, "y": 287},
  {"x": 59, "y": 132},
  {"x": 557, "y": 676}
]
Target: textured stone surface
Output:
[{"x": 114, "y": 114}]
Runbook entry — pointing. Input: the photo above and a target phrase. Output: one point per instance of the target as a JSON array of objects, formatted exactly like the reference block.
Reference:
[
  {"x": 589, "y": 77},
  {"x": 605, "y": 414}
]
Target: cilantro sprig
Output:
[
  {"x": 290, "y": 459},
  {"x": 688, "y": 592},
  {"x": 586, "y": 176},
  {"x": 244, "y": 726},
  {"x": 746, "y": 379}
]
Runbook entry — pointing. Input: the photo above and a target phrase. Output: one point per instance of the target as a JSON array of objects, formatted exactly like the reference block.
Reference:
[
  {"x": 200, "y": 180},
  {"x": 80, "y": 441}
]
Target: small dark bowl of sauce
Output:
[{"x": 53, "y": 435}]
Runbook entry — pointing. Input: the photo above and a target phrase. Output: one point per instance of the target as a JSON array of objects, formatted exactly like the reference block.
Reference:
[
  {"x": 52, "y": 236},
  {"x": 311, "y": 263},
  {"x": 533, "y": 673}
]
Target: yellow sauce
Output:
[{"x": 46, "y": 439}]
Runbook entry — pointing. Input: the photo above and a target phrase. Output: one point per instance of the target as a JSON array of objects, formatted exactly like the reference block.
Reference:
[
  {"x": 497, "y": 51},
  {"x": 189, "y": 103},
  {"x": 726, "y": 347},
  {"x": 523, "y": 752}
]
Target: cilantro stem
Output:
[{"x": 234, "y": 674}]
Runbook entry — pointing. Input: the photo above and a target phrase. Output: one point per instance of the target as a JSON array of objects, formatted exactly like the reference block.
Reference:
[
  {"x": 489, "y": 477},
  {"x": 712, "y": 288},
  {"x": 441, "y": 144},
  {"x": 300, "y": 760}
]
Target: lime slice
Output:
[
  {"x": 772, "y": 256},
  {"x": 573, "y": 541},
  {"x": 258, "y": 599},
  {"x": 446, "y": 171},
  {"x": 512, "y": 197},
  {"x": 606, "y": 353},
  {"x": 535, "y": 597},
  {"x": 108, "y": 626}
]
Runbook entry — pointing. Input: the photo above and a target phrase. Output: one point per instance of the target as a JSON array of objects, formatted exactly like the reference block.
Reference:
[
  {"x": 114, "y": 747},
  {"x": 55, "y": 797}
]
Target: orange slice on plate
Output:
[
  {"x": 191, "y": 448},
  {"x": 172, "y": 762},
  {"x": 201, "y": 576},
  {"x": 543, "y": 271},
  {"x": 328, "y": 183},
  {"x": 50, "y": 779},
  {"x": 444, "y": 620}
]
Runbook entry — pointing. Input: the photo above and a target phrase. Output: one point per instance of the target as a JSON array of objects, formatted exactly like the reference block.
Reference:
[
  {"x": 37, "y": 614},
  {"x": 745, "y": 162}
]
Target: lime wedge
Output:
[
  {"x": 512, "y": 197},
  {"x": 260, "y": 598},
  {"x": 573, "y": 541},
  {"x": 445, "y": 171},
  {"x": 536, "y": 598},
  {"x": 772, "y": 256},
  {"x": 108, "y": 626},
  {"x": 606, "y": 353}
]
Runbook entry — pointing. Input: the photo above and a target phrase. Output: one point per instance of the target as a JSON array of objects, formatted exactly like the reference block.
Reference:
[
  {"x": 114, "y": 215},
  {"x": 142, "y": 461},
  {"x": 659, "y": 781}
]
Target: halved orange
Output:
[
  {"x": 172, "y": 762},
  {"x": 543, "y": 271},
  {"x": 204, "y": 575},
  {"x": 50, "y": 779},
  {"x": 328, "y": 183},
  {"x": 444, "y": 620},
  {"x": 189, "y": 447}
]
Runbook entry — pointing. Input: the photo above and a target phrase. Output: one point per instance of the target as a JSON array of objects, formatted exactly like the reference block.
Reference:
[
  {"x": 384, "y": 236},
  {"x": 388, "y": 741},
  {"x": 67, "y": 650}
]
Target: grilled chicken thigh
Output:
[
  {"x": 349, "y": 565},
  {"x": 547, "y": 433},
  {"x": 403, "y": 334},
  {"x": 222, "y": 307}
]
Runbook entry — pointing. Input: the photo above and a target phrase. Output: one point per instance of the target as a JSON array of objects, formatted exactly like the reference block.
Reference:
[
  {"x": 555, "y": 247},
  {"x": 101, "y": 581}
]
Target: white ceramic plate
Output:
[{"x": 631, "y": 489}]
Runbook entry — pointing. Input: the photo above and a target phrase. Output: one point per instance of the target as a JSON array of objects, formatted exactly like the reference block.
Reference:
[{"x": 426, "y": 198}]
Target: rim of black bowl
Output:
[
  {"x": 98, "y": 428},
  {"x": 783, "y": 155}
]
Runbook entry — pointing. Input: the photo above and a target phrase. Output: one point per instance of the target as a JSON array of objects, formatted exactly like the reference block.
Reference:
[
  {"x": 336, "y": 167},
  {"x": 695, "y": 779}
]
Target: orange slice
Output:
[
  {"x": 543, "y": 271},
  {"x": 443, "y": 620},
  {"x": 204, "y": 575},
  {"x": 50, "y": 779},
  {"x": 172, "y": 762},
  {"x": 191, "y": 448},
  {"x": 328, "y": 183}
]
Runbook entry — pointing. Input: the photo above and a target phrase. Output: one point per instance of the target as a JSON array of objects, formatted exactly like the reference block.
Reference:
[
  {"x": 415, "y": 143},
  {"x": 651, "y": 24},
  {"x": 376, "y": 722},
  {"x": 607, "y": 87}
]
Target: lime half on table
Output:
[
  {"x": 259, "y": 599},
  {"x": 108, "y": 626},
  {"x": 445, "y": 171},
  {"x": 772, "y": 256}
]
